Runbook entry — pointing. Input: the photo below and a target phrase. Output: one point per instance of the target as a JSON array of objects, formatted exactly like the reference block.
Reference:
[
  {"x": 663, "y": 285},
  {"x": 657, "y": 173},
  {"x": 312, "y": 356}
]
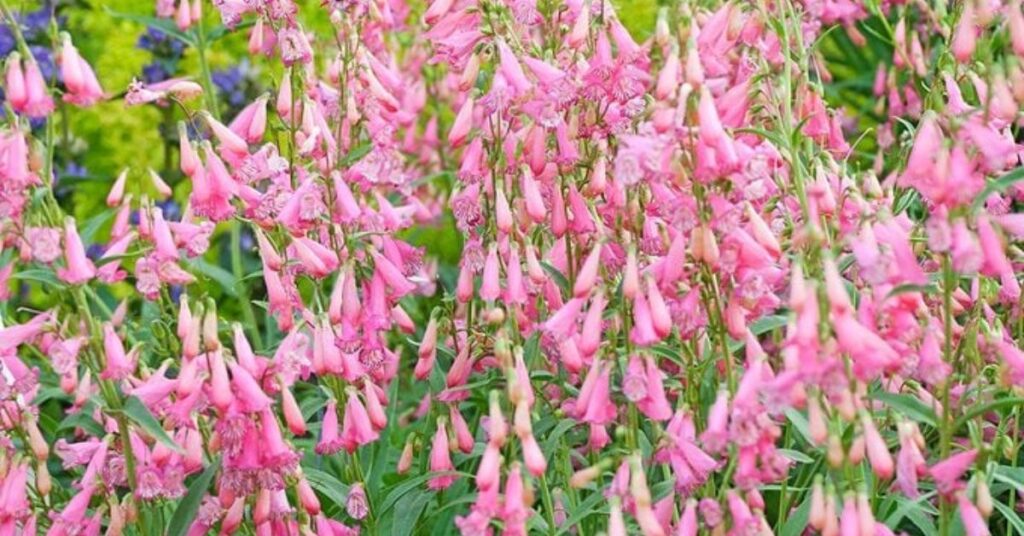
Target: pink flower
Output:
[
  {"x": 910, "y": 463},
  {"x": 251, "y": 122},
  {"x": 213, "y": 188},
  {"x": 599, "y": 408},
  {"x": 44, "y": 243},
  {"x": 179, "y": 88},
  {"x": 26, "y": 89},
  {"x": 79, "y": 269},
  {"x": 248, "y": 391},
  {"x": 83, "y": 89},
  {"x": 462, "y": 124},
  {"x": 355, "y": 504},
  {"x": 965, "y": 36},
  {"x": 357, "y": 429},
  {"x": 878, "y": 453},
  {"x": 117, "y": 364},
  {"x": 654, "y": 405},
  {"x": 329, "y": 442},
  {"x": 974, "y": 524},
  {"x": 947, "y": 473},
  {"x": 440, "y": 458},
  {"x": 563, "y": 322},
  {"x": 515, "y": 512}
]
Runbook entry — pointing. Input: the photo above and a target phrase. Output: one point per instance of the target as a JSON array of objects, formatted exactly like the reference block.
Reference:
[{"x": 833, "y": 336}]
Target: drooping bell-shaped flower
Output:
[
  {"x": 83, "y": 89},
  {"x": 79, "y": 268},
  {"x": 440, "y": 458}
]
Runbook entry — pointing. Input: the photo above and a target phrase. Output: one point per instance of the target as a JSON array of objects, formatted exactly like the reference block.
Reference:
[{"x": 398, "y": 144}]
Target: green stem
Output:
[
  {"x": 209, "y": 90},
  {"x": 947, "y": 427},
  {"x": 245, "y": 302},
  {"x": 983, "y": 409},
  {"x": 1011, "y": 502},
  {"x": 549, "y": 508},
  {"x": 16, "y": 30},
  {"x": 718, "y": 325},
  {"x": 357, "y": 467},
  {"x": 243, "y": 290}
]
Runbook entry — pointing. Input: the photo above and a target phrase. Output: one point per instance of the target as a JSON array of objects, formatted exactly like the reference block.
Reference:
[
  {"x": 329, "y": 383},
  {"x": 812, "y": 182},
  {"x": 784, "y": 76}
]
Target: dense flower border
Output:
[{"x": 684, "y": 300}]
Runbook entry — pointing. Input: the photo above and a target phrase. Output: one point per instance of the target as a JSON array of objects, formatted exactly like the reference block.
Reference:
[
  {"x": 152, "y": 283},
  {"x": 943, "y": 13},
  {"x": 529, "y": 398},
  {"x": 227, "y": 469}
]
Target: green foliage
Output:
[
  {"x": 107, "y": 132},
  {"x": 638, "y": 16}
]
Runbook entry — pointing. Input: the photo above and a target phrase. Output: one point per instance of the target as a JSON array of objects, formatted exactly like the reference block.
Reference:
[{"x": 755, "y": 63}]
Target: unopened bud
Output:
[
  {"x": 638, "y": 482},
  {"x": 983, "y": 498},
  {"x": 43, "y": 481},
  {"x": 585, "y": 476},
  {"x": 115, "y": 526},
  {"x": 495, "y": 316},
  {"x": 405, "y": 460},
  {"x": 816, "y": 519},
  {"x": 211, "y": 339},
  {"x": 856, "y": 454},
  {"x": 40, "y": 448},
  {"x": 835, "y": 452}
]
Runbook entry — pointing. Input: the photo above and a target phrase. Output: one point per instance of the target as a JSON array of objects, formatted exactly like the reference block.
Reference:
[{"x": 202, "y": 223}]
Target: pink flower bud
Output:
[
  {"x": 462, "y": 124},
  {"x": 587, "y": 276},
  {"x": 965, "y": 36},
  {"x": 534, "y": 202},
  {"x": 440, "y": 458},
  {"x": 877, "y": 450}
]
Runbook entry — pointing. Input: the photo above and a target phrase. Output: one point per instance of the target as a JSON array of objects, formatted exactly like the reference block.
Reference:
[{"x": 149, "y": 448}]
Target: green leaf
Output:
[
  {"x": 258, "y": 274},
  {"x": 328, "y": 484},
  {"x": 166, "y": 26},
  {"x": 769, "y": 323},
  {"x": 917, "y": 511},
  {"x": 905, "y": 201},
  {"x": 225, "y": 278},
  {"x": 669, "y": 353},
  {"x": 118, "y": 258},
  {"x": 1014, "y": 476},
  {"x": 559, "y": 277},
  {"x": 552, "y": 437},
  {"x": 93, "y": 224},
  {"x": 408, "y": 511},
  {"x": 450, "y": 504},
  {"x": 404, "y": 487},
  {"x": 908, "y": 406},
  {"x": 1011, "y": 517},
  {"x": 427, "y": 179},
  {"x": 531, "y": 350},
  {"x": 189, "y": 506},
  {"x": 586, "y": 508},
  {"x": 84, "y": 421},
  {"x": 799, "y": 422},
  {"x": 796, "y": 456},
  {"x": 998, "y": 186},
  {"x": 39, "y": 276},
  {"x": 137, "y": 412},
  {"x": 768, "y": 135},
  {"x": 50, "y": 393},
  {"x": 219, "y": 31},
  {"x": 797, "y": 521},
  {"x": 978, "y": 411},
  {"x": 930, "y": 288},
  {"x": 356, "y": 153}
]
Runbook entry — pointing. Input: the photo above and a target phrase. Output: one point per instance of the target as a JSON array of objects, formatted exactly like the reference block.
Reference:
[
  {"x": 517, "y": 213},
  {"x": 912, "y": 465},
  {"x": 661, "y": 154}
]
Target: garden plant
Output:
[{"x": 551, "y": 267}]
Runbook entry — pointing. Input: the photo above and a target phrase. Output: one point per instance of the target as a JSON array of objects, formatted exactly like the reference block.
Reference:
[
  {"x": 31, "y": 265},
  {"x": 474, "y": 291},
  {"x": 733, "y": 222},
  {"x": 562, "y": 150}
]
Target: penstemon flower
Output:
[{"x": 517, "y": 267}]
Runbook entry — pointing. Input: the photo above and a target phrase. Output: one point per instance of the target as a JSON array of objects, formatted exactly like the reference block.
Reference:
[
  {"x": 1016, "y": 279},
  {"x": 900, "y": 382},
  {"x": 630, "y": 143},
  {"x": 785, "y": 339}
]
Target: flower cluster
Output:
[{"x": 694, "y": 288}]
